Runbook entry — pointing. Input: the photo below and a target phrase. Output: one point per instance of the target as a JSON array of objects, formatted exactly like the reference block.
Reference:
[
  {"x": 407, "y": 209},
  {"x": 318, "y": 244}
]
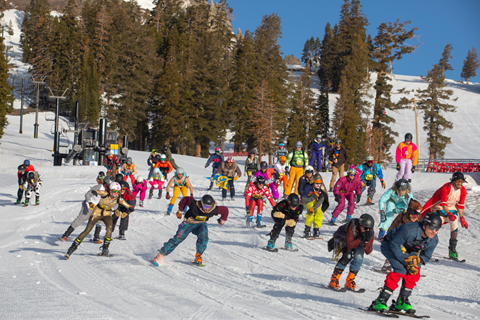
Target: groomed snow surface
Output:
[{"x": 240, "y": 281}]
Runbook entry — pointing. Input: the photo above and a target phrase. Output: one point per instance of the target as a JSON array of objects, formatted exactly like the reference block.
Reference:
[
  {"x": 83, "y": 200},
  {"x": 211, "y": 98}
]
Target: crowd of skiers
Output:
[{"x": 407, "y": 230}]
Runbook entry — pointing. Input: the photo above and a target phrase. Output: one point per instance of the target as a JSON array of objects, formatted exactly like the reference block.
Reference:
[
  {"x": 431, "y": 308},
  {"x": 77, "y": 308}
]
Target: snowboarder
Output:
[
  {"x": 394, "y": 200},
  {"x": 353, "y": 240},
  {"x": 253, "y": 198},
  {"x": 32, "y": 185},
  {"x": 286, "y": 212},
  {"x": 270, "y": 177},
  {"x": 449, "y": 203},
  {"x": 368, "y": 173},
  {"x": 281, "y": 151},
  {"x": 168, "y": 153},
  {"x": 316, "y": 203},
  {"x": 102, "y": 212},
  {"x": 140, "y": 186},
  {"x": 280, "y": 168},
  {"x": 195, "y": 221},
  {"x": 339, "y": 157},
  {"x": 228, "y": 169},
  {"x": 316, "y": 152},
  {"x": 345, "y": 189},
  {"x": 111, "y": 162},
  {"x": 296, "y": 162},
  {"x": 22, "y": 178},
  {"x": 164, "y": 165},
  {"x": 252, "y": 165},
  {"x": 419, "y": 240},
  {"x": 156, "y": 181},
  {"x": 129, "y": 169},
  {"x": 216, "y": 159},
  {"x": 181, "y": 183},
  {"x": 407, "y": 158}
]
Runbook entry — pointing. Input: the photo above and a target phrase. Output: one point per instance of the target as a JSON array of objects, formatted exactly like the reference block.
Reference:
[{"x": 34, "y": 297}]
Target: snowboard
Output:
[
  {"x": 271, "y": 250},
  {"x": 292, "y": 250},
  {"x": 384, "y": 314}
]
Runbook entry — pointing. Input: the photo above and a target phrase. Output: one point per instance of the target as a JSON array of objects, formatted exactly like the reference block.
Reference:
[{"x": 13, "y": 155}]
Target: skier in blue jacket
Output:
[
  {"x": 217, "y": 159},
  {"x": 316, "y": 152},
  {"x": 369, "y": 172}
]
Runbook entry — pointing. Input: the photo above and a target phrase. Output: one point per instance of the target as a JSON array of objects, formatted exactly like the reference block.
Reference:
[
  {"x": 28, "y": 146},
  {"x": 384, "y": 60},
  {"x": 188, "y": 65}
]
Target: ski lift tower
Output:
[{"x": 57, "y": 156}]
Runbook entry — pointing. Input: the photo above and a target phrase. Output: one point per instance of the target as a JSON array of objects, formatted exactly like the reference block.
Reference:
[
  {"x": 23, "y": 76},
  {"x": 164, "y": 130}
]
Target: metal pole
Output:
[
  {"x": 36, "y": 125},
  {"x": 21, "y": 109},
  {"x": 56, "y": 139}
]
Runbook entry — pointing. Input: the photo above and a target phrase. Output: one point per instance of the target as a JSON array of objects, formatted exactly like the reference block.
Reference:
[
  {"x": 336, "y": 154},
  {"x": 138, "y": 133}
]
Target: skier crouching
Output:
[
  {"x": 253, "y": 197},
  {"x": 406, "y": 247},
  {"x": 313, "y": 197},
  {"x": 286, "y": 212},
  {"x": 353, "y": 239}
]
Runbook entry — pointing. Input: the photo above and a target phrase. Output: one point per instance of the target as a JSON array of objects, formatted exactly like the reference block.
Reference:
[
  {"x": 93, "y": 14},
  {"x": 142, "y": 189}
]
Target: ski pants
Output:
[
  {"x": 409, "y": 280},
  {"x": 341, "y": 204},
  {"x": 232, "y": 188},
  {"x": 123, "y": 222},
  {"x": 142, "y": 190},
  {"x": 314, "y": 218},
  {"x": 157, "y": 183},
  {"x": 295, "y": 174},
  {"x": 184, "y": 228},
  {"x": 20, "y": 194},
  {"x": 336, "y": 170},
  {"x": 277, "y": 228},
  {"x": 132, "y": 178},
  {"x": 283, "y": 180},
  {"x": 389, "y": 215},
  {"x": 255, "y": 202},
  {"x": 274, "y": 190},
  {"x": 165, "y": 173},
  {"x": 98, "y": 215},
  {"x": 83, "y": 215},
  {"x": 357, "y": 258},
  {"x": 33, "y": 188},
  {"x": 405, "y": 171},
  {"x": 371, "y": 184},
  {"x": 316, "y": 155},
  {"x": 176, "y": 193}
]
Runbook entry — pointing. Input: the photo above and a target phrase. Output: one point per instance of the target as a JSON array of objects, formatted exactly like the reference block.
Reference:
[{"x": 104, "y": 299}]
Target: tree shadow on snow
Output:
[
  {"x": 304, "y": 296},
  {"x": 237, "y": 244}
]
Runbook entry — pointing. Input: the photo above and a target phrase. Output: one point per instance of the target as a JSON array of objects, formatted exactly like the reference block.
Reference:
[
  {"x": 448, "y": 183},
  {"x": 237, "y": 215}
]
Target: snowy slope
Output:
[{"x": 240, "y": 280}]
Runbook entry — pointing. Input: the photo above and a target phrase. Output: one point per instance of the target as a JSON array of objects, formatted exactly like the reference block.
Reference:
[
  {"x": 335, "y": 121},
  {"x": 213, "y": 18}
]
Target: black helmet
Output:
[
  {"x": 124, "y": 184},
  {"x": 118, "y": 177},
  {"x": 458, "y": 176},
  {"x": 26, "y": 163},
  {"x": 432, "y": 219},
  {"x": 207, "y": 200},
  {"x": 263, "y": 165},
  {"x": 31, "y": 175},
  {"x": 21, "y": 168},
  {"x": 402, "y": 184},
  {"x": 165, "y": 148},
  {"x": 101, "y": 175},
  {"x": 260, "y": 180},
  {"x": 293, "y": 200},
  {"x": 367, "y": 221},
  {"x": 408, "y": 136},
  {"x": 108, "y": 180}
]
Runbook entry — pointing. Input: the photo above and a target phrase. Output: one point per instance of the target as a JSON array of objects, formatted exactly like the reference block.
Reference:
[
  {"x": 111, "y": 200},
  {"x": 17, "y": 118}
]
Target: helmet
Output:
[
  {"x": 408, "y": 137},
  {"x": 317, "y": 178},
  {"x": 156, "y": 170},
  {"x": 263, "y": 165},
  {"x": 283, "y": 159},
  {"x": 179, "y": 171},
  {"x": 101, "y": 175},
  {"x": 140, "y": 179},
  {"x": 108, "y": 180},
  {"x": 458, "y": 176},
  {"x": 207, "y": 200},
  {"x": 252, "y": 152},
  {"x": 154, "y": 151},
  {"x": 432, "y": 219},
  {"x": 402, "y": 185},
  {"x": 21, "y": 168},
  {"x": 230, "y": 159},
  {"x": 260, "y": 180},
  {"x": 163, "y": 157},
  {"x": 217, "y": 150},
  {"x": 293, "y": 200},
  {"x": 309, "y": 169},
  {"x": 338, "y": 141},
  {"x": 165, "y": 148},
  {"x": 26, "y": 163},
  {"x": 369, "y": 158},
  {"x": 31, "y": 175},
  {"x": 367, "y": 221},
  {"x": 124, "y": 185},
  {"x": 352, "y": 170},
  {"x": 281, "y": 144},
  {"x": 115, "y": 187},
  {"x": 118, "y": 177},
  {"x": 299, "y": 144},
  {"x": 319, "y": 136},
  {"x": 129, "y": 160}
]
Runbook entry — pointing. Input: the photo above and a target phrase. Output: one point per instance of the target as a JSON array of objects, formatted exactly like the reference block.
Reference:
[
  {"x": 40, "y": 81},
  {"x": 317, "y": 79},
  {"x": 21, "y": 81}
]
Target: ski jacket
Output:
[
  {"x": 252, "y": 166},
  {"x": 195, "y": 213},
  {"x": 350, "y": 233},
  {"x": 317, "y": 147},
  {"x": 302, "y": 182},
  {"x": 229, "y": 171},
  {"x": 90, "y": 197},
  {"x": 280, "y": 152},
  {"x": 407, "y": 151},
  {"x": 111, "y": 162},
  {"x": 29, "y": 168},
  {"x": 284, "y": 207},
  {"x": 164, "y": 166},
  {"x": 392, "y": 202},
  {"x": 22, "y": 177},
  {"x": 297, "y": 159},
  {"x": 153, "y": 159},
  {"x": 369, "y": 173},
  {"x": 153, "y": 177},
  {"x": 256, "y": 193},
  {"x": 446, "y": 196},
  {"x": 318, "y": 196},
  {"x": 345, "y": 186},
  {"x": 129, "y": 169},
  {"x": 341, "y": 156},
  {"x": 268, "y": 175},
  {"x": 280, "y": 168},
  {"x": 217, "y": 160},
  {"x": 409, "y": 238}
]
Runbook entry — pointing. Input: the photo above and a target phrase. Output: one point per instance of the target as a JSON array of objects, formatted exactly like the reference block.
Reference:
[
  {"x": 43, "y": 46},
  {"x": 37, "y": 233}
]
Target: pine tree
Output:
[
  {"x": 6, "y": 97},
  {"x": 308, "y": 53},
  {"x": 327, "y": 57},
  {"x": 88, "y": 88},
  {"x": 446, "y": 56},
  {"x": 434, "y": 103},
  {"x": 470, "y": 65},
  {"x": 321, "y": 112}
]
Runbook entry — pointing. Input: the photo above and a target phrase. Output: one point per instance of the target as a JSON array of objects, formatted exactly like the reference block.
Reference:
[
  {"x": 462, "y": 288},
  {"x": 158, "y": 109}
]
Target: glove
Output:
[
  {"x": 413, "y": 169},
  {"x": 367, "y": 235},
  {"x": 357, "y": 198},
  {"x": 220, "y": 221},
  {"x": 463, "y": 223},
  {"x": 117, "y": 213},
  {"x": 317, "y": 194},
  {"x": 411, "y": 263},
  {"x": 91, "y": 206},
  {"x": 451, "y": 216},
  {"x": 384, "y": 185},
  {"x": 337, "y": 197},
  {"x": 398, "y": 166},
  {"x": 191, "y": 194},
  {"x": 131, "y": 209},
  {"x": 94, "y": 192},
  {"x": 383, "y": 217},
  {"x": 167, "y": 196},
  {"x": 290, "y": 223},
  {"x": 247, "y": 209},
  {"x": 279, "y": 215},
  {"x": 179, "y": 214}
]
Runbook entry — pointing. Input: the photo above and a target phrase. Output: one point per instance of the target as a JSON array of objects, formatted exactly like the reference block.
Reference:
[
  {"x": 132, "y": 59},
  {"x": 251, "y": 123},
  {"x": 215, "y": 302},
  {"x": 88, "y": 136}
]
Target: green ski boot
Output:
[
  {"x": 452, "y": 249},
  {"x": 402, "y": 304},
  {"x": 380, "y": 304}
]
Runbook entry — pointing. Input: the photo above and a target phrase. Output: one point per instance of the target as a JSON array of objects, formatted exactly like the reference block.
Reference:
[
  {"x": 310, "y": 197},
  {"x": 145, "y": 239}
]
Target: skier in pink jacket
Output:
[{"x": 345, "y": 188}]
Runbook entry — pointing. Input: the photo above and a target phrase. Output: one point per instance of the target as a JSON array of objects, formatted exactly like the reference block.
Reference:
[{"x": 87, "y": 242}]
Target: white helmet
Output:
[
  {"x": 163, "y": 157},
  {"x": 180, "y": 171},
  {"x": 115, "y": 186},
  {"x": 139, "y": 179},
  {"x": 309, "y": 168}
]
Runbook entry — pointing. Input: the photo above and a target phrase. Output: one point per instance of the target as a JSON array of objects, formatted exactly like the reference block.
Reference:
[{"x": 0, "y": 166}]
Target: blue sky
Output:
[{"x": 439, "y": 22}]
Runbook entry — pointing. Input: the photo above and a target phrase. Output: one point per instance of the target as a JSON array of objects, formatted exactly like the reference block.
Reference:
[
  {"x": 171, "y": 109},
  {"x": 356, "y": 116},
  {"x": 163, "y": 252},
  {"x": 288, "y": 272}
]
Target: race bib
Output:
[{"x": 200, "y": 218}]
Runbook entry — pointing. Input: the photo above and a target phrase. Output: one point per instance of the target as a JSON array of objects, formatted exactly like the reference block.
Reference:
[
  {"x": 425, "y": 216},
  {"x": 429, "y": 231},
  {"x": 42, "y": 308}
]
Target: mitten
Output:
[
  {"x": 91, "y": 205},
  {"x": 179, "y": 214},
  {"x": 463, "y": 223},
  {"x": 131, "y": 209},
  {"x": 413, "y": 169},
  {"x": 398, "y": 166},
  {"x": 279, "y": 215},
  {"x": 384, "y": 185},
  {"x": 357, "y": 198},
  {"x": 94, "y": 192},
  {"x": 367, "y": 235},
  {"x": 290, "y": 223},
  {"x": 220, "y": 221}
]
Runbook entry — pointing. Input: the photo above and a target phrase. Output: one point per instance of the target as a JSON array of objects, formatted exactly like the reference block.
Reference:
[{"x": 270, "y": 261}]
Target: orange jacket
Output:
[
  {"x": 405, "y": 151},
  {"x": 164, "y": 165}
]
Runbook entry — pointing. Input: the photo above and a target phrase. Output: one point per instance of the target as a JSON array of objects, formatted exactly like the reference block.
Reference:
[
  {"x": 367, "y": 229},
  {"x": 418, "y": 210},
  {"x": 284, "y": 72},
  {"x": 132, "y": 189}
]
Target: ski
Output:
[
  {"x": 408, "y": 314},
  {"x": 107, "y": 256},
  {"x": 271, "y": 250},
  {"x": 356, "y": 290},
  {"x": 198, "y": 264},
  {"x": 96, "y": 241},
  {"x": 263, "y": 226},
  {"x": 455, "y": 259},
  {"x": 287, "y": 249},
  {"x": 387, "y": 272},
  {"x": 334, "y": 289},
  {"x": 332, "y": 223},
  {"x": 67, "y": 256},
  {"x": 384, "y": 314}
]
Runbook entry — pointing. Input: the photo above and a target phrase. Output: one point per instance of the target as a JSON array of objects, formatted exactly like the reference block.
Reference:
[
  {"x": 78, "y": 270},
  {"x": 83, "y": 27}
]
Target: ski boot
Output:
[
  {"x": 386, "y": 266},
  {"x": 104, "y": 248},
  {"x": 96, "y": 235},
  {"x": 150, "y": 195},
  {"x": 259, "y": 222},
  {"x": 350, "y": 283},
  {"x": 18, "y": 201},
  {"x": 169, "y": 210},
  {"x": 157, "y": 261},
  {"x": 233, "y": 198},
  {"x": 250, "y": 222},
  {"x": 121, "y": 235},
  {"x": 25, "y": 204},
  {"x": 306, "y": 232},
  {"x": 141, "y": 203},
  {"x": 333, "y": 221},
  {"x": 369, "y": 201},
  {"x": 72, "y": 248},
  {"x": 348, "y": 218},
  {"x": 67, "y": 233},
  {"x": 198, "y": 258},
  {"x": 380, "y": 304},
  {"x": 37, "y": 200},
  {"x": 224, "y": 199},
  {"x": 452, "y": 249},
  {"x": 211, "y": 185},
  {"x": 334, "y": 281},
  {"x": 288, "y": 243},
  {"x": 160, "y": 194},
  {"x": 271, "y": 244},
  {"x": 316, "y": 233},
  {"x": 381, "y": 234},
  {"x": 402, "y": 304}
]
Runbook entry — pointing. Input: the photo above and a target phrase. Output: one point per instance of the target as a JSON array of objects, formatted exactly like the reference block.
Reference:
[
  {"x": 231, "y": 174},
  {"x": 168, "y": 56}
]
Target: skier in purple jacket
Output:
[
  {"x": 344, "y": 188},
  {"x": 316, "y": 152},
  {"x": 270, "y": 176}
]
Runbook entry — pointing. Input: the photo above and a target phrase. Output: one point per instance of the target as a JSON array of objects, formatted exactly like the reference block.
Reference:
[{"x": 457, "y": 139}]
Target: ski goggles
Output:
[
  {"x": 207, "y": 208},
  {"x": 433, "y": 228},
  {"x": 413, "y": 217},
  {"x": 352, "y": 174},
  {"x": 369, "y": 161},
  {"x": 115, "y": 191}
]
